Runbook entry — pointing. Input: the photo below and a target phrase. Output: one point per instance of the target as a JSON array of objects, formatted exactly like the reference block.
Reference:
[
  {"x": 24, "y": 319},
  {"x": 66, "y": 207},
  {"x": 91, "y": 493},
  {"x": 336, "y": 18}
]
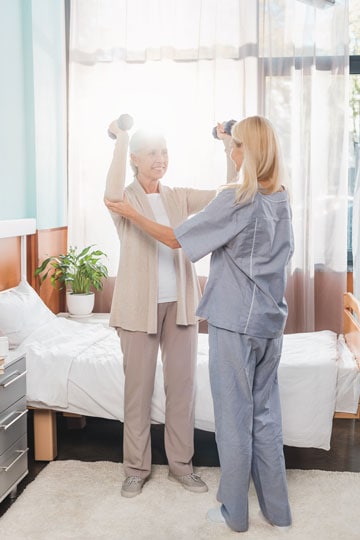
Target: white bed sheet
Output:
[
  {"x": 95, "y": 381},
  {"x": 307, "y": 382},
  {"x": 49, "y": 357}
]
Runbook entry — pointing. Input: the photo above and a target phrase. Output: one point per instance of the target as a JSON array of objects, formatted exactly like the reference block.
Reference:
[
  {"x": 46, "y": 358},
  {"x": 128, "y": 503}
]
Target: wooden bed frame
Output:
[
  {"x": 45, "y": 437},
  {"x": 351, "y": 331}
]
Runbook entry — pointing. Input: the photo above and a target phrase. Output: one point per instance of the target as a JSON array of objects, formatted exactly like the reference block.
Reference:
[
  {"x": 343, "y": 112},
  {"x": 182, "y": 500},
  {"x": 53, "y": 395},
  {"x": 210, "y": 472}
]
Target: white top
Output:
[{"x": 167, "y": 291}]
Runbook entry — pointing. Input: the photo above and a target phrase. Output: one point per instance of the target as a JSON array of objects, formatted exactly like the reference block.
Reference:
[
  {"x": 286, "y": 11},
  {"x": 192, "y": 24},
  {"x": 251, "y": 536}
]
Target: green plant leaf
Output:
[{"x": 78, "y": 271}]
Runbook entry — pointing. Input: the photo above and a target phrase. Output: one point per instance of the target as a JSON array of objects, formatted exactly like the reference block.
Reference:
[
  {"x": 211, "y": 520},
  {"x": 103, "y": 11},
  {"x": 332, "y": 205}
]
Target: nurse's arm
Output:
[
  {"x": 231, "y": 173},
  {"x": 159, "y": 232}
]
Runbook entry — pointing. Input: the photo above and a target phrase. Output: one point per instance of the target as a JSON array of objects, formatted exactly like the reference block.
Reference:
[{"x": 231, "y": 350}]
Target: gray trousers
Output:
[
  {"x": 178, "y": 346},
  {"x": 243, "y": 376}
]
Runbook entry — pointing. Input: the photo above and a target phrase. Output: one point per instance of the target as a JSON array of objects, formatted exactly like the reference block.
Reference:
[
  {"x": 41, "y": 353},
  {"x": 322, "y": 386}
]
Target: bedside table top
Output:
[
  {"x": 94, "y": 318},
  {"x": 11, "y": 358}
]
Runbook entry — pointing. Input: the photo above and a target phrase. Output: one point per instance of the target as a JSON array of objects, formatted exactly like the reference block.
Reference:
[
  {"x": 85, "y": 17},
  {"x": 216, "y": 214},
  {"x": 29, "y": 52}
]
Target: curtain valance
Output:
[{"x": 185, "y": 30}]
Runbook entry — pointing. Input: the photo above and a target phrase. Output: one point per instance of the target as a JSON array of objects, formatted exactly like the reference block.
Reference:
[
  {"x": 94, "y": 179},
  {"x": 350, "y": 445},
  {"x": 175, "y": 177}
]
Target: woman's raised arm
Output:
[{"x": 115, "y": 181}]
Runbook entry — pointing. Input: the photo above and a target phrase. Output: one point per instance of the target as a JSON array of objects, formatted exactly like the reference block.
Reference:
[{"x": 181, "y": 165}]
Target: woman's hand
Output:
[
  {"x": 114, "y": 128},
  {"x": 123, "y": 208}
]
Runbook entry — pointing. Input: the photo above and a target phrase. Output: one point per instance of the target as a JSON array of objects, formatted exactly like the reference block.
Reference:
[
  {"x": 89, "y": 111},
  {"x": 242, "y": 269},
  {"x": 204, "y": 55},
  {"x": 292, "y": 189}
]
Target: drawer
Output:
[
  {"x": 13, "y": 466},
  {"x": 13, "y": 424},
  {"x": 13, "y": 384}
]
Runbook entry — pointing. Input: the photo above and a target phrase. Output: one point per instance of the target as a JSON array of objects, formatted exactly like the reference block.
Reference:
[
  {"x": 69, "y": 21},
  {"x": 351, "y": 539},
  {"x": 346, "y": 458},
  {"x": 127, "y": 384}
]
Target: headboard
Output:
[
  {"x": 13, "y": 250},
  {"x": 16, "y": 261}
]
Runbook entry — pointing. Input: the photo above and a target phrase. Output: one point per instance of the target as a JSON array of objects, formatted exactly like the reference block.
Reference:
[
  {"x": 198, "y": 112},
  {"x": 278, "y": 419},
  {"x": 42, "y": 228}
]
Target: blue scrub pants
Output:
[{"x": 243, "y": 377}]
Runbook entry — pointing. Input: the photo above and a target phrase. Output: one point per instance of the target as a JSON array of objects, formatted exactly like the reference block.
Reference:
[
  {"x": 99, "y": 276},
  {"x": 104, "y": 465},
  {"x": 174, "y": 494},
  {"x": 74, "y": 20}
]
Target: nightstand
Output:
[
  {"x": 94, "y": 318},
  {"x": 13, "y": 424}
]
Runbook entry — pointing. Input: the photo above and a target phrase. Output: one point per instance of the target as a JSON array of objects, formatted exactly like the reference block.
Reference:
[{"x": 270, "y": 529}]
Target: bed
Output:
[{"x": 76, "y": 369}]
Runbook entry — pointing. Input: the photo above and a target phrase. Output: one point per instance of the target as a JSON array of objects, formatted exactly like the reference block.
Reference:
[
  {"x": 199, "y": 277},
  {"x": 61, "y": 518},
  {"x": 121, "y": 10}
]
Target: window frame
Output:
[{"x": 354, "y": 69}]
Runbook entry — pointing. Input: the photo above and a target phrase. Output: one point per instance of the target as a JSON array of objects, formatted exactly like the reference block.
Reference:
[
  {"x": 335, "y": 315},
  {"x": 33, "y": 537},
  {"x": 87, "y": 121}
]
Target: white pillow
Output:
[{"x": 21, "y": 312}]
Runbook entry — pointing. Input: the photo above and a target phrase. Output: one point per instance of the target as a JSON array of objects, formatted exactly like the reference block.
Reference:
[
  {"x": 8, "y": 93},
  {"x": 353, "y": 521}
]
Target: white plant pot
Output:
[{"x": 80, "y": 305}]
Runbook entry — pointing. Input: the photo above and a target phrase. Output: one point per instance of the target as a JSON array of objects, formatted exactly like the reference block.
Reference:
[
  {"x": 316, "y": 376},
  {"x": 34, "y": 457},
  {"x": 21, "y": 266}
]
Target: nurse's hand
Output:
[
  {"x": 223, "y": 136},
  {"x": 220, "y": 131},
  {"x": 123, "y": 208}
]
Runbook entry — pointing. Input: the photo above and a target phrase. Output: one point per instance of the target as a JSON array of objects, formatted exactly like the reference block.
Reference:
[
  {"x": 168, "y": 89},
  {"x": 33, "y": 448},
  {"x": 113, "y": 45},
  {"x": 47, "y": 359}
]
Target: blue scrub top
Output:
[{"x": 251, "y": 245}]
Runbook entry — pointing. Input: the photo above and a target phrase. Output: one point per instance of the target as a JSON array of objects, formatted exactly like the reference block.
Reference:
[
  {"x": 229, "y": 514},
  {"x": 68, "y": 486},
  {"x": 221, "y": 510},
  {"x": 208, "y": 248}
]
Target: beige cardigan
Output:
[{"x": 134, "y": 303}]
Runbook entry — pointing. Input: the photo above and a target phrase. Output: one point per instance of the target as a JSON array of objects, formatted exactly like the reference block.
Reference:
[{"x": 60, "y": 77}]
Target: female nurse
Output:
[{"x": 248, "y": 230}]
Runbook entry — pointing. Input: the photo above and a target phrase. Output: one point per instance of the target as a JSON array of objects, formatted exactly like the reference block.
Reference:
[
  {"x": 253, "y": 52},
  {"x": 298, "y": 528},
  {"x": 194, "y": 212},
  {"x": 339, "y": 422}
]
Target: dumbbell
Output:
[
  {"x": 125, "y": 122},
  {"x": 227, "y": 128}
]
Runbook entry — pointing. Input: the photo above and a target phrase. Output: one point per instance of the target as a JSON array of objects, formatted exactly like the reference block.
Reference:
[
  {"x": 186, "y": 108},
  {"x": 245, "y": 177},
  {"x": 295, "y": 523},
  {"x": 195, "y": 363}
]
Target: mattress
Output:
[{"x": 77, "y": 368}]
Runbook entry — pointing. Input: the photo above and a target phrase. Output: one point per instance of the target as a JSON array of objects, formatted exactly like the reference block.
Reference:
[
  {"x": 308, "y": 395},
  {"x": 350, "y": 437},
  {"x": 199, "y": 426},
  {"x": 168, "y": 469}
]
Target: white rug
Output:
[{"x": 82, "y": 501}]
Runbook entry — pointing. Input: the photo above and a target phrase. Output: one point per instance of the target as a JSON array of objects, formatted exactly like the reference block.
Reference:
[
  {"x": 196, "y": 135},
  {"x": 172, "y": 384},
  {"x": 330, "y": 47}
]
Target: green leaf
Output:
[{"x": 80, "y": 271}]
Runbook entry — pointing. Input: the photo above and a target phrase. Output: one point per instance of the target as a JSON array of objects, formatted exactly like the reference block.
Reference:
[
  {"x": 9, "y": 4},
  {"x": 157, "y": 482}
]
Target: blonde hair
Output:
[
  {"x": 262, "y": 166},
  {"x": 139, "y": 140}
]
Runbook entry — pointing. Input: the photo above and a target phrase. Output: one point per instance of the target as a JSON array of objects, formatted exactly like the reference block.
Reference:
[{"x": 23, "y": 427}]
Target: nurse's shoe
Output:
[
  {"x": 215, "y": 515},
  {"x": 284, "y": 529}
]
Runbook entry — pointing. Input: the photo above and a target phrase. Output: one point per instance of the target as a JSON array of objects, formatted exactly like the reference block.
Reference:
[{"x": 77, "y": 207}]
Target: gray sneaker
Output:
[
  {"x": 132, "y": 486},
  {"x": 191, "y": 482}
]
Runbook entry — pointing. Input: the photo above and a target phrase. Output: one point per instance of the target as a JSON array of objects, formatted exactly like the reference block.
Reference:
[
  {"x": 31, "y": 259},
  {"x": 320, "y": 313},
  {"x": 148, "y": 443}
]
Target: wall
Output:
[
  {"x": 33, "y": 111},
  {"x": 50, "y": 123},
  {"x": 17, "y": 173},
  {"x": 33, "y": 127}
]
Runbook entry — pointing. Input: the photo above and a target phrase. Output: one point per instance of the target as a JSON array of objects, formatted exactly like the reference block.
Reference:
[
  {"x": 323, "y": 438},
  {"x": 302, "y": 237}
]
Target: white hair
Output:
[{"x": 140, "y": 140}]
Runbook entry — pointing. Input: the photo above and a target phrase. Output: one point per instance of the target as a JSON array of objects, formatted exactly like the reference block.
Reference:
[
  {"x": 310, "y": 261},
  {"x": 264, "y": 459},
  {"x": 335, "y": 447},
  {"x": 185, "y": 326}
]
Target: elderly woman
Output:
[
  {"x": 248, "y": 230},
  {"x": 155, "y": 297}
]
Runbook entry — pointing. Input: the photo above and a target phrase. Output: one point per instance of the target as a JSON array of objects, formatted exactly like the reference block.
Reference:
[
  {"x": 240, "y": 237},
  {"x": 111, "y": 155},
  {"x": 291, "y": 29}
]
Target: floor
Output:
[{"x": 102, "y": 440}]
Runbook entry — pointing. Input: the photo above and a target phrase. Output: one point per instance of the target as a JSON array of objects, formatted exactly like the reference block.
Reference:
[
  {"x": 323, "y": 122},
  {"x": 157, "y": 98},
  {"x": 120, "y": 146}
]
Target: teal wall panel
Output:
[
  {"x": 33, "y": 180},
  {"x": 17, "y": 194},
  {"x": 49, "y": 73}
]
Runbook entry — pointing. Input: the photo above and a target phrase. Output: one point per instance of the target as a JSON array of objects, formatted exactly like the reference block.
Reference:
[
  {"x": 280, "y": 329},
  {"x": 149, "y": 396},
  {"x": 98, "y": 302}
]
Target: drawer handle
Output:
[
  {"x": 21, "y": 453},
  {"x": 4, "y": 382},
  {"x": 19, "y": 415}
]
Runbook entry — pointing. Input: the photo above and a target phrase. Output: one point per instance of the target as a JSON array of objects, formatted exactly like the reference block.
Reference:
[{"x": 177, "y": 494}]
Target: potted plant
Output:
[{"x": 79, "y": 273}]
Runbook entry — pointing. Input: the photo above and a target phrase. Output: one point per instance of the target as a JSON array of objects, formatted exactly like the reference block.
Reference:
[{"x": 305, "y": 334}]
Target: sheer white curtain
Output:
[
  {"x": 304, "y": 50},
  {"x": 178, "y": 65},
  {"x": 185, "y": 64},
  {"x": 356, "y": 228}
]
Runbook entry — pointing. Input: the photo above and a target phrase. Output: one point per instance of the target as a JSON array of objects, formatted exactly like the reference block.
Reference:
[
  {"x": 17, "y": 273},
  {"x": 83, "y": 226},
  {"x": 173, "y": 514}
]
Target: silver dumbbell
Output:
[{"x": 125, "y": 122}]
